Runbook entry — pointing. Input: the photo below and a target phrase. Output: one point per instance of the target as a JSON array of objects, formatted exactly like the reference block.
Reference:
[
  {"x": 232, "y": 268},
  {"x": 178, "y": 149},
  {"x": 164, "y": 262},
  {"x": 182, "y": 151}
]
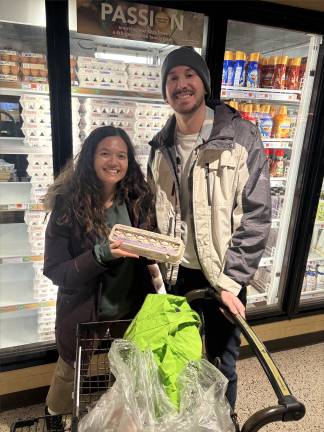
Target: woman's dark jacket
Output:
[{"x": 70, "y": 263}]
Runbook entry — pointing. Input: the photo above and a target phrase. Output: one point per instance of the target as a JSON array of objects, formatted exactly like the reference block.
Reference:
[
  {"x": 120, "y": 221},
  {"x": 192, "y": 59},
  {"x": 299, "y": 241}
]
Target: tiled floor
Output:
[{"x": 303, "y": 369}]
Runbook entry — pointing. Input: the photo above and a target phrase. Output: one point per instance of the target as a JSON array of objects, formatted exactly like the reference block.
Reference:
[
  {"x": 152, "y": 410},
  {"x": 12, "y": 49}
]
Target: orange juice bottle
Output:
[{"x": 282, "y": 123}]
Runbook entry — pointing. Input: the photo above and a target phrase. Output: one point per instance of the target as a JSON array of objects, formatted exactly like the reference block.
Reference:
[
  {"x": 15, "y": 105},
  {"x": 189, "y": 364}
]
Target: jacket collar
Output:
[{"x": 220, "y": 137}]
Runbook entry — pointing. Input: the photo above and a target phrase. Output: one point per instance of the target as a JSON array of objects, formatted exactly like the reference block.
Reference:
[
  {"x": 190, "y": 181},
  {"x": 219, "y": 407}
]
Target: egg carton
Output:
[
  {"x": 45, "y": 337},
  {"x": 46, "y": 328},
  {"x": 145, "y": 243}
]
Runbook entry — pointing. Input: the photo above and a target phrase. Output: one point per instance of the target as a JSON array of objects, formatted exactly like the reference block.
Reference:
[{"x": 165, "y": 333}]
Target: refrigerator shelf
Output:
[
  {"x": 21, "y": 259},
  {"x": 16, "y": 146},
  {"x": 27, "y": 306},
  {"x": 22, "y": 207},
  {"x": 277, "y": 143},
  {"x": 120, "y": 94},
  {"x": 9, "y": 88},
  {"x": 318, "y": 291},
  {"x": 278, "y": 181},
  {"x": 262, "y": 94}
]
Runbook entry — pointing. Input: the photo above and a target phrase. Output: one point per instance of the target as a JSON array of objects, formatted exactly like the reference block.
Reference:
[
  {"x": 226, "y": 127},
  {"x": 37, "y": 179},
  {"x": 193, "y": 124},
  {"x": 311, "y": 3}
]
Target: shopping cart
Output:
[{"x": 93, "y": 376}]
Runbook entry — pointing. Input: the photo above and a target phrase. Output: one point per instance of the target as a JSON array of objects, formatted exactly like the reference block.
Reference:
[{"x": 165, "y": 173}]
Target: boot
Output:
[{"x": 54, "y": 423}]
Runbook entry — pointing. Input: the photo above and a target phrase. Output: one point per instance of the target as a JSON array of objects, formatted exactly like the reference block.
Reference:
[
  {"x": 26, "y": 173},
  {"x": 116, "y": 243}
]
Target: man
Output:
[{"x": 211, "y": 182}]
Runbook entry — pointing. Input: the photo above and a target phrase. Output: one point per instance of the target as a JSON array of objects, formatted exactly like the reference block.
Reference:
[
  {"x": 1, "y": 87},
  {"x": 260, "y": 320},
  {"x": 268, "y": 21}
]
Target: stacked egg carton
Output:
[
  {"x": 44, "y": 290},
  {"x": 38, "y": 135},
  {"x": 9, "y": 65},
  {"x": 46, "y": 323},
  {"x": 36, "y": 225},
  {"x": 75, "y": 125},
  {"x": 150, "y": 119},
  {"x": 98, "y": 73},
  {"x": 144, "y": 78},
  {"x": 105, "y": 112}
]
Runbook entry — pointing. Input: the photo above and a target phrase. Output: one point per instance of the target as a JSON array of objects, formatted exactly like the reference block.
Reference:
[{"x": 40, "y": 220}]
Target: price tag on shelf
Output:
[
  {"x": 278, "y": 182},
  {"x": 260, "y": 94},
  {"x": 277, "y": 144},
  {"x": 33, "y": 86}
]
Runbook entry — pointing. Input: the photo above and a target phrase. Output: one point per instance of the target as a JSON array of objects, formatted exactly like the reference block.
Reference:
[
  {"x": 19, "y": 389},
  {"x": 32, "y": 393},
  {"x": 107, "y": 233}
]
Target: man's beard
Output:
[{"x": 192, "y": 109}]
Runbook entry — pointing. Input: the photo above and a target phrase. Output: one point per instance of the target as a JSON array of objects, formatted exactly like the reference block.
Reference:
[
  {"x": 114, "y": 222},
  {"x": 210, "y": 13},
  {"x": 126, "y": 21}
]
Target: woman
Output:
[{"x": 97, "y": 280}]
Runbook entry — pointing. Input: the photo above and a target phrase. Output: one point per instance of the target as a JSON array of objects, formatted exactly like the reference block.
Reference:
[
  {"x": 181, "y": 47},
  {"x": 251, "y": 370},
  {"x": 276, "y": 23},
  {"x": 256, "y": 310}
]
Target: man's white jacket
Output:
[{"x": 229, "y": 191}]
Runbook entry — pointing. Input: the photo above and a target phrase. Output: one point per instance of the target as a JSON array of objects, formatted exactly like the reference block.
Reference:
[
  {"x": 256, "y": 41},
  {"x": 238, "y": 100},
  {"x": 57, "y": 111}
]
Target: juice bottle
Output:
[
  {"x": 268, "y": 68},
  {"x": 302, "y": 72},
  {"x": 239, "y": 68},
  {"x": 228, "y": 68},
  {"x": 273, "y": 110},
  {"x": 280, "y": 163},
  {"x": 282, "y": 124},
  {"x": 293, "y": 70},
  {"x": 233, "y": 104},
  {"x": 279, "y": 75},
  {"x": 265, "y": 122},
  {"x": 268, "y": 154},
  {"x": 256, "y": 111},
  {"x": 247, "y": 113},
  {"x": 253, "y": 76}
]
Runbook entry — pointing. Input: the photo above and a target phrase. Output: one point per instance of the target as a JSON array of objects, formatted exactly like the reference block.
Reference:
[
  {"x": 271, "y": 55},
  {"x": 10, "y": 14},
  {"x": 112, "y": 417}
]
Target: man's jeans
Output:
[{"x": 222, "y": 337}]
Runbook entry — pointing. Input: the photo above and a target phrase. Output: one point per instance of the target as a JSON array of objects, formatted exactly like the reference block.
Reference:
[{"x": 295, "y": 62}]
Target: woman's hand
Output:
[
  {"x": 233, "y": 303},
  {"x": 118, "y": 252}
]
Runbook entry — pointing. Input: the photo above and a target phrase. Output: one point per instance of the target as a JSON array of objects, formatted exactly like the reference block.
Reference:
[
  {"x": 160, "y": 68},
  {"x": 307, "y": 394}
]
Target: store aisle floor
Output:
[{"x": 303, "y": 369}]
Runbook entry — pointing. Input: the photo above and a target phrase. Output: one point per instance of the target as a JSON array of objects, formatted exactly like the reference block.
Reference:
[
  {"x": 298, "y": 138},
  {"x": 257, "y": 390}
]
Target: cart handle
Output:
[{"x": 288, "y": 408}]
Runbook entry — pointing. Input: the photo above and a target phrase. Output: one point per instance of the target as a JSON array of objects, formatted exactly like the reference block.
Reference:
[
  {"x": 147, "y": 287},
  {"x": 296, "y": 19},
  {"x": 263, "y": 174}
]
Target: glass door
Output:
[
  {"x": 117, "y": 53},
  {"x": 27, "y": 298},
  {"x": 268, "y": 77},
  {"x": 313, "y": 282}
]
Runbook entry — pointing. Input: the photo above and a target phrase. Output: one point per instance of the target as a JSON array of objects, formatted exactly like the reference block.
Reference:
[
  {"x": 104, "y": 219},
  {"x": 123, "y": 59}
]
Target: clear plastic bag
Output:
[{"x": 137, "y": 402}]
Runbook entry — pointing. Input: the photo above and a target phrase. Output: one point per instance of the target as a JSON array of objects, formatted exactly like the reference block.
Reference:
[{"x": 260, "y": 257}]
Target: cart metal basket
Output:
[{"x": 93, "y": 376}]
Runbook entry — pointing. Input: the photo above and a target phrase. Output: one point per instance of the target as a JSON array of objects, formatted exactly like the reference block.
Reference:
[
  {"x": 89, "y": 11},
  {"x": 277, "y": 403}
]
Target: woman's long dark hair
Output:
[{"x": 79, "y": 193}]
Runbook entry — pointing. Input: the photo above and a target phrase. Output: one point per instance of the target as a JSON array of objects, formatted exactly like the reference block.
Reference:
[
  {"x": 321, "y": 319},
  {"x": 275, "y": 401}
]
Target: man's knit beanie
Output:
[{"x": 185, "y": 56}]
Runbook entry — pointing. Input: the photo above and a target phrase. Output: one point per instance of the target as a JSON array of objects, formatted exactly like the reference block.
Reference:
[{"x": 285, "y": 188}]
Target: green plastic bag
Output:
[{"x": 168, "y": 327}]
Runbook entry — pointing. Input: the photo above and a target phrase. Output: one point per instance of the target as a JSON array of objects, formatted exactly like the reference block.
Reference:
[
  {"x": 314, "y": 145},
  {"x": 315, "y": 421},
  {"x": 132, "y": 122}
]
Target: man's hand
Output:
[{"x": 233, "y": 303}]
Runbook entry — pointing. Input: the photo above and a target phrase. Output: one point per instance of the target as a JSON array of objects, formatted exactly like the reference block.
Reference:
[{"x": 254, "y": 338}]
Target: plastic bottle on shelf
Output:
[
  {"x": 265, "y": 121},
  {"x": 273, "y": 111},
  {"x": 247, "y": 113},
  {"x": 293, "y": 71},
  {"x": 239, "y": 69},
  {"x": 268, "y": 69},
  {"x": 302, "y": 70},
  {"x": 311, "y": 277},
  {"x": 228, "y": 68},
  {"x": 280, "y": 163},
  {"x": 320, "y": 277},
  {"x": 234, "y": 104},
  {"x": 279, "y": 75},
  {"x": 253, "y": 74},
  {"x": 268, "y": 153},
  {"x": 281, "y": 124}
]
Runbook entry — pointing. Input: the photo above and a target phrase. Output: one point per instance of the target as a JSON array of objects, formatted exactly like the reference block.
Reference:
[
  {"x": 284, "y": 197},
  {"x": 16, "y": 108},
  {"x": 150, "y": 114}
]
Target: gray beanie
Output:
[{"x": 185, "y": 56}]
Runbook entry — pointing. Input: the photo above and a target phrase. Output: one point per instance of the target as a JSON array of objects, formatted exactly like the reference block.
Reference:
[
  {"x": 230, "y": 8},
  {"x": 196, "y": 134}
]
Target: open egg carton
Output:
[{"x": 149, "y": 244}]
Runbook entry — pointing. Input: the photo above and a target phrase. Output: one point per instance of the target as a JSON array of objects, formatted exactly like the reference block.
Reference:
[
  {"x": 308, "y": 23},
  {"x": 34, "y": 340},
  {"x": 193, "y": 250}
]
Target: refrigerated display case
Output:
[
  {"x": 133, "y": 102},
  {"x": 312, "y": 289},
  {"x": 268, "y": 75}
]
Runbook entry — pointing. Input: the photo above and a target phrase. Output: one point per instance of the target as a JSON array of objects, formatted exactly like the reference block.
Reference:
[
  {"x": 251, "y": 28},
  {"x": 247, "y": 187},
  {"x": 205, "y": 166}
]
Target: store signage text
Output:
[
  {"x": 125, "y": 20},
  {"x": 142, "y": 17}
]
